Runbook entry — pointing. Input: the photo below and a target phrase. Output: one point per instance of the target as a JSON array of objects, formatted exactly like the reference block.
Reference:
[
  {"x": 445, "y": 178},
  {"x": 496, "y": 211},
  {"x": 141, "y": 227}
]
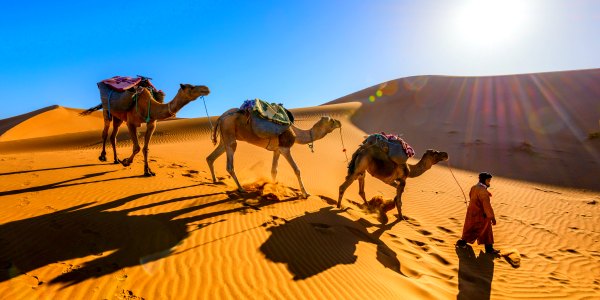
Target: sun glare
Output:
[{"x": 490, "y": 23}]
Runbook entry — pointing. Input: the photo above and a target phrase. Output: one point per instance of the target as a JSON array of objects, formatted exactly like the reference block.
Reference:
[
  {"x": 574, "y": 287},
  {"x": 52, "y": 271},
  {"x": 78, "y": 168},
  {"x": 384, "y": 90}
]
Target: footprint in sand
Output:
[
  {"x": 444, "y": 229},
  {"x": 424, "y": 232},
  {"x": 440, "y": 259},
  {"x": 437, "y": 240}
]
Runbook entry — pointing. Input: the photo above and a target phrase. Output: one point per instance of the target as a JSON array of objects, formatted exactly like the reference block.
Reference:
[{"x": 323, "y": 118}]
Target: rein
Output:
[
  {"x": 461, "y": 189},
  {"x": 207, "y": 116},
  {"x": 311, "y": 145},
  {"x": 343, "y": 146}
]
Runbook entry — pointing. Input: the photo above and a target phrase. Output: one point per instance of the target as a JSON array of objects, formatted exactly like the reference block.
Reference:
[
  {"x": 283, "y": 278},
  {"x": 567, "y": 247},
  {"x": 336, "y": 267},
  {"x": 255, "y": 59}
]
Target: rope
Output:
[
  {"x": 343, "y": 146},
  {"x": 206, "y": 110},
  {"x": 461, "y": 189},
  {"x": 109, "y": 94},
  {"x": 148, "y": 116},
  {"x": 311, "y": 145}
]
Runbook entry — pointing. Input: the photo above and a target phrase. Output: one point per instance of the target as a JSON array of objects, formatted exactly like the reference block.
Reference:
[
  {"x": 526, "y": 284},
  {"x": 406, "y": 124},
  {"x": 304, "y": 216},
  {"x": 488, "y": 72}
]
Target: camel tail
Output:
[
  {"x": 214, "y": 133},
  {"x": 352, "y": 163},
  {"x": 91, "y": 110}
]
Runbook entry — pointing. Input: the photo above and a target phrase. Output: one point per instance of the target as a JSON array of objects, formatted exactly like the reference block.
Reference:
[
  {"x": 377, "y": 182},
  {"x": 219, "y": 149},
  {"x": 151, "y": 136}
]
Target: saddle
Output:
[
  {"x": 125, "y": 83},
  {"x": 268, "y": 120},
  {"x": 394, "y": 146}
]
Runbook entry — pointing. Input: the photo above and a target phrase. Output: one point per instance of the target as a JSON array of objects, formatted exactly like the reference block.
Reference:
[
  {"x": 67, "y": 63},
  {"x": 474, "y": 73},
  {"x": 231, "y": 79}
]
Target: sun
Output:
[{"x": 490, "y": 23}]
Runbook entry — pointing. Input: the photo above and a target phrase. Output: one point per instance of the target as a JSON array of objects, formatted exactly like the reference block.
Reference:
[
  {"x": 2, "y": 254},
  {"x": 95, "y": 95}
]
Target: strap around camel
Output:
[{"x": 275, "y": 113}]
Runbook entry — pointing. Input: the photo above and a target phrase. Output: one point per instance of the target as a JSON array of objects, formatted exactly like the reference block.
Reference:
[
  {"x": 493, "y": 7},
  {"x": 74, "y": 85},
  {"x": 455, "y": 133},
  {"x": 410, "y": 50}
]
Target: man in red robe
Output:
[{"x": 480, "y": 216}]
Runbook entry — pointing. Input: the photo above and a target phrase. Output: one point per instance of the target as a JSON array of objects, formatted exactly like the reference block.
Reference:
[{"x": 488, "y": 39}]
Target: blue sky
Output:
[{"x": 300, "y": 53}]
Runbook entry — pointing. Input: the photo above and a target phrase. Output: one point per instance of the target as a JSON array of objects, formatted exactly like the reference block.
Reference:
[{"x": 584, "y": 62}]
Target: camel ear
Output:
[{"x": 182, "y": 86}]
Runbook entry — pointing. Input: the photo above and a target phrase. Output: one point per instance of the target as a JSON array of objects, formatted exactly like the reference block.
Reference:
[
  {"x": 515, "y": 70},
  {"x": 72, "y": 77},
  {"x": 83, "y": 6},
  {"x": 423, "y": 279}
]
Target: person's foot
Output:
[
  {"x": 461, "y": 243},
  {"x": 489, "y": 249}
]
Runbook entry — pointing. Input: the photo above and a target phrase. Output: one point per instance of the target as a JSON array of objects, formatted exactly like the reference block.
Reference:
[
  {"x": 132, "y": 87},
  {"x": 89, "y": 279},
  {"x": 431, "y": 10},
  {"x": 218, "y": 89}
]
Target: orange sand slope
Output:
[
  {"x": 50, "y": 121},
  {"x": 76, "y": 228}
]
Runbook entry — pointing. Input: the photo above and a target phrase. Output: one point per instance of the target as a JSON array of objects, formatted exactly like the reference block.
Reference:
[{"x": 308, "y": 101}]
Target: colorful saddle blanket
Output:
[
  {"x": 275, "y": 113},
  {"x": 123, "y": 83},
  {"x": 391, "y": 138}
]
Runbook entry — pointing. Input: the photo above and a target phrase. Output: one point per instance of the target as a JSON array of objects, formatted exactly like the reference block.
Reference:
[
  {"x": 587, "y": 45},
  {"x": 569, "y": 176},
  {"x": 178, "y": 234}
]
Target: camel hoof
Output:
[
  {"x": 149, "y": 173},
  {"x": 125, "y": 162},
  {"x": 116, "y": 162},
  {"x": 102, "y": 158},
  {"x": 305, "y": 195},
  {"x": 382, "y": 218}
]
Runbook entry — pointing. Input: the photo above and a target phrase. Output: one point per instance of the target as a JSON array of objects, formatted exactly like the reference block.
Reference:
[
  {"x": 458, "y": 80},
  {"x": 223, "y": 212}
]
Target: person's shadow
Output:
[
  {"x": 317, "y": 241},
  {"x": 475, "y": 274}
]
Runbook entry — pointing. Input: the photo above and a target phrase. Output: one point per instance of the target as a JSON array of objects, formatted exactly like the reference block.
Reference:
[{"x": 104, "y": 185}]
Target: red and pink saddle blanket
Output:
[{"x": 123, "y": 83}]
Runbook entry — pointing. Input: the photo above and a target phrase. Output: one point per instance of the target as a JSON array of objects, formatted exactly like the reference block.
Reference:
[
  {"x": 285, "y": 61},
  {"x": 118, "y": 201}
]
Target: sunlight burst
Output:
[{"x": 490, "y": 23}]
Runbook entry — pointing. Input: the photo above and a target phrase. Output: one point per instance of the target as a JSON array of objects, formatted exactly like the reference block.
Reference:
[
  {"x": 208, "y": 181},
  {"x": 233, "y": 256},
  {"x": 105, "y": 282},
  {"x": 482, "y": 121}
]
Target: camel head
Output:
[
  {"x": 435, "y": 156},
  {"x": 328, "y": 124},
  {"x": 192, "y": 92}
]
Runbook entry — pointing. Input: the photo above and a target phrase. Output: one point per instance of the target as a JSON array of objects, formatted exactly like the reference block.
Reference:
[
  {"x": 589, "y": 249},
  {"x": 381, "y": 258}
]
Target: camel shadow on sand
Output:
[
  {"x": 115, "y": 239},
  {"x": 475, "y": 274},
  {"x": 313, "y": 243}
]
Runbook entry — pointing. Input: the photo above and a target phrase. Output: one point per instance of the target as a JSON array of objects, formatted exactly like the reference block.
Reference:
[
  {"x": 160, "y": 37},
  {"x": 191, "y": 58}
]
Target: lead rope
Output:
[
  {"x": 206, "y": 110},
  {"x": 461, "y": 189},
  {"x": 343, "y": 146},
  {"x": 311, "y": 145}
]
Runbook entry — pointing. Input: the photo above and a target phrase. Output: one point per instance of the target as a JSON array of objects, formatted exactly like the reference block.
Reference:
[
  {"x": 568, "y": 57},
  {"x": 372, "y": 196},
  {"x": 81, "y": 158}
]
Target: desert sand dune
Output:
[
  {"x": 73, "y": 227},
  {"x": 526, "y": 120}
]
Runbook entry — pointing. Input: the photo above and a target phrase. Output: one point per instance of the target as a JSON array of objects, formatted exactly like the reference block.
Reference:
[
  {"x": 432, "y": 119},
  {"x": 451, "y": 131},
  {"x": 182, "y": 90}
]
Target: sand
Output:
[{"x": 73, "y": 227}]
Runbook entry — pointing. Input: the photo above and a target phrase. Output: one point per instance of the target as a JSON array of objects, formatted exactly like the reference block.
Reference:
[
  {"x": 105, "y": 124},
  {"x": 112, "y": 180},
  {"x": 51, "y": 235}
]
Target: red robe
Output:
[{"x": 478, "y": 222}]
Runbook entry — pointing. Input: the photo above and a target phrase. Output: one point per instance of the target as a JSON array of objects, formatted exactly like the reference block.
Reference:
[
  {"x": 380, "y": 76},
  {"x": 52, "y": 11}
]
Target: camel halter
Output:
[{"x": 461, "y": 189}]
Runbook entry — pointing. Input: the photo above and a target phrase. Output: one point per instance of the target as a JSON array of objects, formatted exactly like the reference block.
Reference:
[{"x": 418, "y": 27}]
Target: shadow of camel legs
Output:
[
  {"x": 309, "y": 245},
  {"x": 475, "y": 274}
]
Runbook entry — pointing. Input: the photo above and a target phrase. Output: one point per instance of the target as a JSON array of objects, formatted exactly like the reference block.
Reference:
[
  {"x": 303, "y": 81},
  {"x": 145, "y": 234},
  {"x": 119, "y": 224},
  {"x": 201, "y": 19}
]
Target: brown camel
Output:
[
  {"x": 138, "y": 109},
  {"x": 233, "y": 126},
  {"x": 373, "y": 159}
]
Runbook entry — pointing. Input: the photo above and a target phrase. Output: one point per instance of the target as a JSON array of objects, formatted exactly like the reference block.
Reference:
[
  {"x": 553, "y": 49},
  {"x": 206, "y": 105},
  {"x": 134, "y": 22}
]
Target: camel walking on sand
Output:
[
  {"x": 135, "y": 109},
  {"x": 391, "y": 170},
  {"x": 233, "y": 126}
]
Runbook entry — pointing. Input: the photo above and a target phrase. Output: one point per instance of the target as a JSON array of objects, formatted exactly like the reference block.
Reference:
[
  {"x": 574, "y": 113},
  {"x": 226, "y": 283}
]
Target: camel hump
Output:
[
  {"x": 395, "y": 147},
  {"x": 268, "y": 120}
]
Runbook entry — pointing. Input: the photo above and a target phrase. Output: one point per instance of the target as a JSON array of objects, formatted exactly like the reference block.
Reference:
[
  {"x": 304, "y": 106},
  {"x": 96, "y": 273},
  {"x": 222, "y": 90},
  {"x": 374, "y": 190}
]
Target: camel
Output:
[
  {"x": 379, "y": 164},
  {"x": 233, "y": 127},
  {"x": 143, "y": 108}
]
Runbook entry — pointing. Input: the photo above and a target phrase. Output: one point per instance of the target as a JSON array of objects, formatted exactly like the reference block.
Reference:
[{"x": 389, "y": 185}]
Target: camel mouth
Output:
[{"x": 204, "y": 91}]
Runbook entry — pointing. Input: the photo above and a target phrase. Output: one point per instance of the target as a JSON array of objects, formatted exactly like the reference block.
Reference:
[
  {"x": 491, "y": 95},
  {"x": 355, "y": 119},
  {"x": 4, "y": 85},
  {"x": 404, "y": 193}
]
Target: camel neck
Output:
[
  {"x": 421, "y": 167},
  {"x": 306, "y": 136}
]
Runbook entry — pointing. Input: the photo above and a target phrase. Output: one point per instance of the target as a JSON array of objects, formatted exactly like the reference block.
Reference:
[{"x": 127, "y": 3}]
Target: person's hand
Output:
[{"x": 493, "y": 221}]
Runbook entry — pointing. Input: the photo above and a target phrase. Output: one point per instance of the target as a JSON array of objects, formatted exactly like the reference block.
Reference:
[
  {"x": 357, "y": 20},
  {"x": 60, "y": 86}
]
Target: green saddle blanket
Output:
[{"x": 272, "y": 112}]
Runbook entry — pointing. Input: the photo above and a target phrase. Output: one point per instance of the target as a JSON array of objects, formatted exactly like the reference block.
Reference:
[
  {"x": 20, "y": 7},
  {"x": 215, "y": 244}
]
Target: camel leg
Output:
[
  {"x": 136, "y": 145},
  {"x": 213, "y": 156},
  {"x": 113, "y": 137},
  {"x": 288, "y": 156},
  {"x": 230, "y": 150},
  {"x": 398, "y": 199},
  {"x": 150, "y": 127},
  {"x": 102, "y": 156},
  {"x": 274, "y": 165},
  {"x": 349, "y": 180},
  {"x": 361, "y": 186}
]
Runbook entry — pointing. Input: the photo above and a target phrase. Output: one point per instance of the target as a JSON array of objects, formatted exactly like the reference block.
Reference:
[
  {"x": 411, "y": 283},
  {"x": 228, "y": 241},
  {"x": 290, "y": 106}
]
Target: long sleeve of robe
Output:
[{"x": 478, "y": 222}]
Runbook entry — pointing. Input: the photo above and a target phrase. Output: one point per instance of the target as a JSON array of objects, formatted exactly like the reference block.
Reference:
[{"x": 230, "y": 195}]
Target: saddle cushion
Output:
[
  {"x": 123, "y": 83},
  {"x": 267, "y": 120},
  {"x": 275, "y": 113},
  {"x": 388, "y": 139}
]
